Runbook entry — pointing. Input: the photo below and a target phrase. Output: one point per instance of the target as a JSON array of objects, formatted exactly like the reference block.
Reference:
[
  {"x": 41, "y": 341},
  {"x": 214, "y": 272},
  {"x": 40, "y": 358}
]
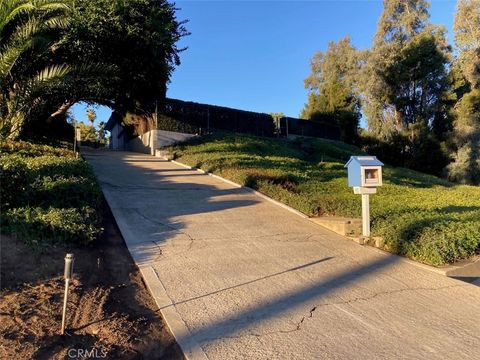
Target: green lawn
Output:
[
  {"x": 48, "y": 196},
  {"x": 419, "y": 216}
]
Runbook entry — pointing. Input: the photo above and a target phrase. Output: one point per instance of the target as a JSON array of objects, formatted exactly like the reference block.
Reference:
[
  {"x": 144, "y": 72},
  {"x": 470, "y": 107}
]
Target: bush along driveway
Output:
[{"x": 48, "y": 196}]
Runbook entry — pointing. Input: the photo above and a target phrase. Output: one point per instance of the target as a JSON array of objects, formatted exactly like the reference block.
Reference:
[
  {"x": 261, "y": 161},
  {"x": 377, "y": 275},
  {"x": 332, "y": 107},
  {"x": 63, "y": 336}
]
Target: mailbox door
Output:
[{"x": 371, "y": 176}]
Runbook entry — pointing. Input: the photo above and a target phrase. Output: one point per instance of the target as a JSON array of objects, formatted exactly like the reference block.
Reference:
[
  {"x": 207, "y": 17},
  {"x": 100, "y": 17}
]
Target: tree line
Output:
[
  {"x": 54, "y": 53},
  {"x": 419, "y": 95}
]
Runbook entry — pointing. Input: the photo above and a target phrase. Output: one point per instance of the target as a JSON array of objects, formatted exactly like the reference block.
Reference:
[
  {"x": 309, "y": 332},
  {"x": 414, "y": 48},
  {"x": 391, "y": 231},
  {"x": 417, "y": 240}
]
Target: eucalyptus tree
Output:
[
  {"x": 332, "y": 87},
  {"x": 405, "y": 78},
  {"x": 465, "y": 166},
  {"x": 467, "y": 39}
]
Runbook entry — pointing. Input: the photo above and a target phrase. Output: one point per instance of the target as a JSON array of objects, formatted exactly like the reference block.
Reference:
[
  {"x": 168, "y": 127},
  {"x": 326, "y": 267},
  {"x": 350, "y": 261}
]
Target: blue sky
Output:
[{"x": 254, "y": 55}]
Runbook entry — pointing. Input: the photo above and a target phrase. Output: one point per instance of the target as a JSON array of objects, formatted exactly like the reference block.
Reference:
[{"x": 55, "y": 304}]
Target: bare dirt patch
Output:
[{"x": 110, "y": 312}]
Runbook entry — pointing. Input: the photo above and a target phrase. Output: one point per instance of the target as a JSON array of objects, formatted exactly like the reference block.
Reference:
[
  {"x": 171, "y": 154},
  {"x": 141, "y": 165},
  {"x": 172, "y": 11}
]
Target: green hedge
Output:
[{"x": 47, "y": 194}]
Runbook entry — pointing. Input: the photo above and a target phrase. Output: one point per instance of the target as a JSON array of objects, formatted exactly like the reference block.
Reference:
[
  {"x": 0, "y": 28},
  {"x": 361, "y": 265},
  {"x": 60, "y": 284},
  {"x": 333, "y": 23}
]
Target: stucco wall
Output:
[{"x": 155, "y": 139}]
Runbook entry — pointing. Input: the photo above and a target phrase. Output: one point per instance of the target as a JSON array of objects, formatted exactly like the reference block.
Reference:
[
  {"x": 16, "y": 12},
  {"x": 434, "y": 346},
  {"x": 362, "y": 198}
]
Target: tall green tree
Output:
[
  {"x": 332, "y": 91},
  {"x": 137, "y": 37},
  {"x": 405, "y": 79},
  {"x": 54, "y": 54},
  {"x": 465, "y": 166}
]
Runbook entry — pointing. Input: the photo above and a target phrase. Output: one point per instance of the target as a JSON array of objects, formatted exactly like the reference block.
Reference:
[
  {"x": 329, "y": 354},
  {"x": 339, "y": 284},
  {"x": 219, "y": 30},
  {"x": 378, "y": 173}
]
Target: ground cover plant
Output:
[
  {"x": 419, "y": 216},
  {"x": 48, "y": 195}
]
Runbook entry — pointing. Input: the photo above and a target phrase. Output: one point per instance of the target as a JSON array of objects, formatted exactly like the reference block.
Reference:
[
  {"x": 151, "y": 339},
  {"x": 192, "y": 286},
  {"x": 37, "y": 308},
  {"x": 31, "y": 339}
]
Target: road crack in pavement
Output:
[
  {"x": 367, "y": 298},
  {"x": 157, "y": 222},
  {"x": 298, "y": 325}
]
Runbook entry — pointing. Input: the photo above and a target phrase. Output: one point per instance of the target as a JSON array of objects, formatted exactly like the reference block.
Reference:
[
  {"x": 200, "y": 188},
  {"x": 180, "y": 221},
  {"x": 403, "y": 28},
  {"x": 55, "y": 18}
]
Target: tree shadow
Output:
[
  {"x": 275, "y": 307},
  {"x": 312, "y": 263},
  {"x": 406, "y": 177}
]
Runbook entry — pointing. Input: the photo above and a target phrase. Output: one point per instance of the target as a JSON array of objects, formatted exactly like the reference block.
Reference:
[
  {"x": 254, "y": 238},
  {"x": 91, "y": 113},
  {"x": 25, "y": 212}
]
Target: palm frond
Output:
[
  {"x": 53, "y": 72},
  {"x": 49, "y": 5},
  {"x": 94, "y": 70},
  {"x": 10, "y": 55},
  {"x": 30, "y": 33},
  {"x": 19, "y": 42},
  {"x": 10, "y": 9},
  {"x": 59, "y": 22}
]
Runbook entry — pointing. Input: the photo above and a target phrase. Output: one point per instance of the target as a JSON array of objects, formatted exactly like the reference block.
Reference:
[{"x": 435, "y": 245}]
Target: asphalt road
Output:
[{"x": 237, "y": 277}]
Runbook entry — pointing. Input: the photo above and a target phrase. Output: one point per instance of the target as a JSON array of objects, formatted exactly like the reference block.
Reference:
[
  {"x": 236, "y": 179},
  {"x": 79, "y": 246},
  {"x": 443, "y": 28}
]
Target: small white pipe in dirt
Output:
[{"x": 68, "y": 275}]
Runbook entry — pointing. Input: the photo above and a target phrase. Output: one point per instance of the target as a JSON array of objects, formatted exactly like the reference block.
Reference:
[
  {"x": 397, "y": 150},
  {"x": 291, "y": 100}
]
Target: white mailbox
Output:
[{"x": 364, "y": 175}]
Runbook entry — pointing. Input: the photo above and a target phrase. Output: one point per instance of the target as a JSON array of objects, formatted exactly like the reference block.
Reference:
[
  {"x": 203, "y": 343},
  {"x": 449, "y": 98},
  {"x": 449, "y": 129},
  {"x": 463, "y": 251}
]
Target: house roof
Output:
[{"x": 365, "y": 161}]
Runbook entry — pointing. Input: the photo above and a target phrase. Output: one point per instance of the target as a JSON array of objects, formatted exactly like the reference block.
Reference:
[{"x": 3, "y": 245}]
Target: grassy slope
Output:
[{"x": 419, "y": 216}]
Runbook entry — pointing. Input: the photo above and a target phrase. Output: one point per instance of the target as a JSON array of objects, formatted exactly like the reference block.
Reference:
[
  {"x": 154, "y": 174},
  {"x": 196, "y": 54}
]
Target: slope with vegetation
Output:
[{"x": 418, "y": 215}]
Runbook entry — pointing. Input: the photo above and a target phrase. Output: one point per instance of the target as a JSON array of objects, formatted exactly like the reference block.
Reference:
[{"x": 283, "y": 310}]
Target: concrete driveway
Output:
[{"x": 237, "y": 277}]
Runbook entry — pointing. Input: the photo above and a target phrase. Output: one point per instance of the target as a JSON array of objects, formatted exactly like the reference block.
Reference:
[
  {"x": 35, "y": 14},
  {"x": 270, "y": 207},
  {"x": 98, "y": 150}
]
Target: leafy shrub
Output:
[
  {"x": 53, "y": 225},
  {"x": 47, "y": 194},
  {"x": 432, "y": 236},
  {"x": 27, "y": 149},
  {"x": 14, "y": 181}
]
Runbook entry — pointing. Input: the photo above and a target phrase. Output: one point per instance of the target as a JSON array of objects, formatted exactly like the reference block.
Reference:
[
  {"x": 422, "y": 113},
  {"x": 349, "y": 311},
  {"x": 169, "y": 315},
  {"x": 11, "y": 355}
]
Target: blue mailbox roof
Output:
[{"x": 364, "y": 161}]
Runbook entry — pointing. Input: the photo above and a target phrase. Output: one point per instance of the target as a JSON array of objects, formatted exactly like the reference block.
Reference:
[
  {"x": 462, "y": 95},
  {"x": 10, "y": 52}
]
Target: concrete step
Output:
[
  {"x": 167, "y": 154},
  {"x": 351, "y": 227},
  {"x": 464, "y": 268}
]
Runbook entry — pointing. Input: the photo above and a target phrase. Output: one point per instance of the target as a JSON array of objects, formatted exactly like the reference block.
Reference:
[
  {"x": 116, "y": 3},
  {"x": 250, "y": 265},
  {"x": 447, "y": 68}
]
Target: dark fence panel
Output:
[
  {"x": 195, "y": 118},
  {"x": 311, "y": 128}
]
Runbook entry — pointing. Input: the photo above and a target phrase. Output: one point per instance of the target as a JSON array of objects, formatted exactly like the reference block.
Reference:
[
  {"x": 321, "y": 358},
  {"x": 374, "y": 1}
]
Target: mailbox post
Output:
[{"x": 364, "y": 176}]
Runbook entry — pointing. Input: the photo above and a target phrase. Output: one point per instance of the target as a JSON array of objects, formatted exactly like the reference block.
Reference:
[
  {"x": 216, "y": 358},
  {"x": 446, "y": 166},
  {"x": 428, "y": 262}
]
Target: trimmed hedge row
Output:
[{"x": 48, "y": 196}]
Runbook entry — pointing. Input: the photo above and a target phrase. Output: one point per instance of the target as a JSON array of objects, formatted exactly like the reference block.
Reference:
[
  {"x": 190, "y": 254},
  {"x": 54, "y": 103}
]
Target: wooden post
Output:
[{"x": 365, "y": 215}]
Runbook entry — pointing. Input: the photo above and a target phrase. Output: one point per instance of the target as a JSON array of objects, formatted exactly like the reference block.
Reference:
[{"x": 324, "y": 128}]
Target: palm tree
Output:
[
  {"x": 91, "y": 115},
  {"x": 29, "y": 29}
]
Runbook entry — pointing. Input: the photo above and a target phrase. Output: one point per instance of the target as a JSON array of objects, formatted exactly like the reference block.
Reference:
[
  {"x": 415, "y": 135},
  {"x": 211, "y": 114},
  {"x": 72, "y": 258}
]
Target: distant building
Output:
[{"x": 118, "y": 137}]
